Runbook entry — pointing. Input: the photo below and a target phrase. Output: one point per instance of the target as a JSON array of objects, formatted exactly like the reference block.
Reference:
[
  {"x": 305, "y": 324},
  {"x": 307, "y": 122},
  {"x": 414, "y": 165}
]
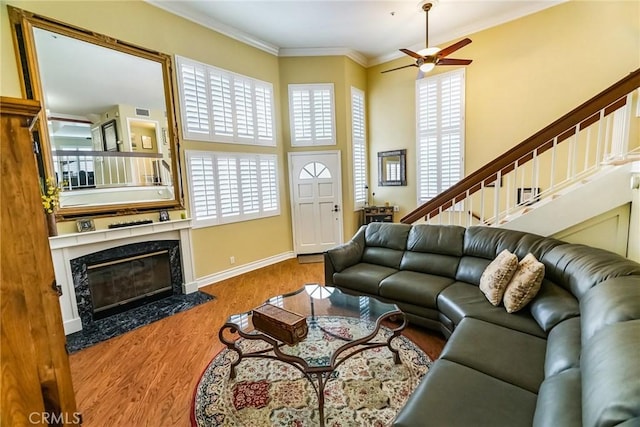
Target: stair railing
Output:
[{"x": 594, "y": 134}]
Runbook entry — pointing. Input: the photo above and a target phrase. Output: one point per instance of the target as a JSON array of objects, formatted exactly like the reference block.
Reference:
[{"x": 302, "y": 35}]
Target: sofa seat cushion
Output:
[
  {"x": 563, "y": 347},
  {"x": 460, "y": 300},
  {"x": 362, "y": 277},
  {"x": 560, "y": 401},
  {"x": 511, "y": 356},
  {"x": 413, "y": 287},
  {"x": 453, "y": 395}
]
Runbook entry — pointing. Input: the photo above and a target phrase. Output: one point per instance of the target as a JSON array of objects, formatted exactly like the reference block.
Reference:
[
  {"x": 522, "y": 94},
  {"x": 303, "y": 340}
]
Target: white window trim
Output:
[
  {"x": 356, "y": 143},
  {"x": 211, "y": 135},
  {"x": 219, "y": 219},
  {"x": 313, "y": 141},
  {"x": 439, "y": 77}
]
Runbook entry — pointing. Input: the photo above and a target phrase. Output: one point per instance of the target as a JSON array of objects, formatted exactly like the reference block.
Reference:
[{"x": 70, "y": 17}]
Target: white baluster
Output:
[{"x": 553, "y": 163}]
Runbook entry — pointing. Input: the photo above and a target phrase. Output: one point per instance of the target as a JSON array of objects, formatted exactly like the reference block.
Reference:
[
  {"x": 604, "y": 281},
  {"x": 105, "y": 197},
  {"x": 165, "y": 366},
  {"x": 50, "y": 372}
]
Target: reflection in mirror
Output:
[
  {"x": 110, "y": 134},
  {"x": 392, "y": 168}
]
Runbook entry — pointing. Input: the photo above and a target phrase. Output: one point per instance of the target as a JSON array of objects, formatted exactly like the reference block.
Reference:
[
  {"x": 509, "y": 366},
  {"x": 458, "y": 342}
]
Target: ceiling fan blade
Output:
[
  {"x": 450, "y": 49},
  {"x": 410, "y": 53},
  {"x": 399, "y": 68},
  {"x": 451, "y": 61}
]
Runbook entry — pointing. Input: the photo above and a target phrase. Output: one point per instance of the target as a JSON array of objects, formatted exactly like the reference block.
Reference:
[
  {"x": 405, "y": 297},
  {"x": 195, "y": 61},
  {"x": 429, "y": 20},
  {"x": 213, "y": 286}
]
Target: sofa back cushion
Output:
[
  {"x": 385, "y": 243},
  {"x": 578, "y": 267},
  {"x": 487, "y": 242},
  {"x": 387, "y": 235},
  {"x": 559, "y": 401},
  {"x": 563, "y": 347},
  {"x": 436, "y": 239},
  {"x": 440, "y": 265},
  {"x": 612, "y": 301},
  {"x": 552, "y": 305},
  {"x": 433, "y": 249},
  {"x": 470, "y": 269},
  {"x": 610, "y": 372}
]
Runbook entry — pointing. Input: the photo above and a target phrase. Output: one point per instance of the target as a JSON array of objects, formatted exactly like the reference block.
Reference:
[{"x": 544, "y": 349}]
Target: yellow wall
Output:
[{"x": 524, "y": 75}]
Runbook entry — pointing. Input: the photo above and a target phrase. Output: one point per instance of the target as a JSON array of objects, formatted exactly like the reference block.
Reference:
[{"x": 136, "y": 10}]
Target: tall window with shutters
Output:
[
  {"x": 312, "y": 114},
  {"x": 221, "y": 106},
  {"x": 232, "y": 187},
  {"x": 358, "y": 143},
  {"x": 440, "y": 132}
]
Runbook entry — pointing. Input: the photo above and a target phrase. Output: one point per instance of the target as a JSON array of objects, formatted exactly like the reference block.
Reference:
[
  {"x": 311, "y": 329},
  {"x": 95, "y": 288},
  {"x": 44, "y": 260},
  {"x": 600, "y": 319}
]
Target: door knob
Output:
[{"x": 336, "y": 208}]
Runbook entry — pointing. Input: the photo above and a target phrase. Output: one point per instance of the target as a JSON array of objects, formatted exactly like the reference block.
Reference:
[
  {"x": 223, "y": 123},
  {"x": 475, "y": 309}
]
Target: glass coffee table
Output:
[{"x": 339, "y": 326}]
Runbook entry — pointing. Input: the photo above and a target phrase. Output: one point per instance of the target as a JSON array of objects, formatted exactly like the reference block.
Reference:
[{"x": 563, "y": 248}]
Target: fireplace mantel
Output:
[{"x": 66, "y": 247}]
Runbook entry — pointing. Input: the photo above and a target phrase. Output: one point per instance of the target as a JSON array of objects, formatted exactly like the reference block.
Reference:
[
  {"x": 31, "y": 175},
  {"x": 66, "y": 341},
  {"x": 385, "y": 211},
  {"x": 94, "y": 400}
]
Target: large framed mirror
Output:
[
  {"x": 392, "y": 168},
  {"x": 107, "y": 133}
]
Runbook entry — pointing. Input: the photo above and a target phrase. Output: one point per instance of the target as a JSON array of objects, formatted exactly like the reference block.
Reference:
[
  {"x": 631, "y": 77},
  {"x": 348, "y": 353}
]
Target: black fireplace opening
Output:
[
  {"x": 122, "y": 278},
  {"x": 120, "y": 285}
]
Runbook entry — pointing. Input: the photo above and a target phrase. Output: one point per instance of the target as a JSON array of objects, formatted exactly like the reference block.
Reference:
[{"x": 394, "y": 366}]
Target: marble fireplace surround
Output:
[{"x": 66, "y": 247}]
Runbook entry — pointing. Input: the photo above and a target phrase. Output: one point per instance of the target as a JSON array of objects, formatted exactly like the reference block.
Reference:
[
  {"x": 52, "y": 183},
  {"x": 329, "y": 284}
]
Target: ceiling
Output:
[{"x": 370, "y": 32}]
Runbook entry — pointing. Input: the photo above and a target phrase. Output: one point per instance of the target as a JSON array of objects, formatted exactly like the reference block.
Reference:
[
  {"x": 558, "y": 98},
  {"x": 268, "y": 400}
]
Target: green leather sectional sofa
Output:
[{"x": 571, "y": 357}]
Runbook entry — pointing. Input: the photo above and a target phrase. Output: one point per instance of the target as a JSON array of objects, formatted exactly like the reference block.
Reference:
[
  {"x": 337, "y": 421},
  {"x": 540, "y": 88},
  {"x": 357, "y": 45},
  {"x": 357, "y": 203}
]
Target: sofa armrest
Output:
[{"x": 343, "y": 256}]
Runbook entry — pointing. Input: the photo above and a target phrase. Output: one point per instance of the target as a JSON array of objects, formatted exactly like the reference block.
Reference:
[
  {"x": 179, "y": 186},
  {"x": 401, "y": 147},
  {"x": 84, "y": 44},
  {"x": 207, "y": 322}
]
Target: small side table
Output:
[{"x": 378, "y": 214}]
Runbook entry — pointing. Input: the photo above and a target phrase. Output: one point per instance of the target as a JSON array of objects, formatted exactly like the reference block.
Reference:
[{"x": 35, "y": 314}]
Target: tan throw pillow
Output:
[
  {"x": 525, "y": 284},
  {"x": 496, "y": 276}
]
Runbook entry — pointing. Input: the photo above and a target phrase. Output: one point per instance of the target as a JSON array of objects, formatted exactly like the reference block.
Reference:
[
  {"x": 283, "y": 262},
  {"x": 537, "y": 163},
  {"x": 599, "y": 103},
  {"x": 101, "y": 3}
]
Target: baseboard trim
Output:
[{"x": 242, "y": 269}]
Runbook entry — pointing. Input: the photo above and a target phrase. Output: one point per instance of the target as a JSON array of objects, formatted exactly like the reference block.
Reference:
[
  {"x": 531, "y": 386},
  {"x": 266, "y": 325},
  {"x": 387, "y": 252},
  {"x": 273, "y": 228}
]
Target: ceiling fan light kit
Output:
[{"x": 429, "y": 57}]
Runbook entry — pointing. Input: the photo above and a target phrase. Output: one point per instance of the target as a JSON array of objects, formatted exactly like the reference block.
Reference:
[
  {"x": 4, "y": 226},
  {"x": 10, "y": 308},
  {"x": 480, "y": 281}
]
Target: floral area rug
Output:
[{"x": 366, "y": 390}]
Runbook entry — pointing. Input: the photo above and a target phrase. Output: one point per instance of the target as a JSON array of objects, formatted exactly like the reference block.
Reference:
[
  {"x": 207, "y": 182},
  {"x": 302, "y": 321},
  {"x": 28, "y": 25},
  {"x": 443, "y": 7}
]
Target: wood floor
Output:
[{"x": 147, "y": 377}]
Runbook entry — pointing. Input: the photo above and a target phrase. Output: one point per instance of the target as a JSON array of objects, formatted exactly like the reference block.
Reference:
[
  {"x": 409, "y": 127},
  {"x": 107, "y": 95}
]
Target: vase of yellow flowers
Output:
[{"x": 50, "y": 202}]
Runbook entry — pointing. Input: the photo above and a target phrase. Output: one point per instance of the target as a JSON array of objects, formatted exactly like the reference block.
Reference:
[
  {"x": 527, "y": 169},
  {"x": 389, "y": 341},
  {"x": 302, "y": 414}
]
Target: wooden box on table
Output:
[{"x": 279, "y": 323}]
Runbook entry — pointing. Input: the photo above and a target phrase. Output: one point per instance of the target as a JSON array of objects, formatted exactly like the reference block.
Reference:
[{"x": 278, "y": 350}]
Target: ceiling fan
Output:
[{"x": 428, "y": 58}]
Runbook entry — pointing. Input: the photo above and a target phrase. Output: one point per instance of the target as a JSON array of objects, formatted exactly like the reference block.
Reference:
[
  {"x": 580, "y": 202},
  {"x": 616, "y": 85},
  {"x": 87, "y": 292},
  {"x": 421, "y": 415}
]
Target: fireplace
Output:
[
  {"x": 118, "y": 279},
  {"x": 119, "y": 285}
]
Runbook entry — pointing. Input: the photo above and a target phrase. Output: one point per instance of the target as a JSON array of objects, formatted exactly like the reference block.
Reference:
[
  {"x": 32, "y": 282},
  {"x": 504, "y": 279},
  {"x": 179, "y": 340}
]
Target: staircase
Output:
[{"x": 547, "y": 183}]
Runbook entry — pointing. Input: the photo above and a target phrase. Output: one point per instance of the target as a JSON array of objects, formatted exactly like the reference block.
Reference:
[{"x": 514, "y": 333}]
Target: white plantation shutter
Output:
[
  {"x": 244, "y": 108},
  {"x": 312, "y": 114},
  {"x": 194, "y": 95},
  {"x": 203, "y": 187},
  {"x": 264, "y": 112},
  {"x": 228, "y": 186},
  {"x": 249, "y": 185},
  {"x": 440, "y": 132},
  {"x": 358, "y": 143},
  {"x": 231, "y": 187},
  {"x": 221, "y": 106},
  {"x": 268, "y": 183}
]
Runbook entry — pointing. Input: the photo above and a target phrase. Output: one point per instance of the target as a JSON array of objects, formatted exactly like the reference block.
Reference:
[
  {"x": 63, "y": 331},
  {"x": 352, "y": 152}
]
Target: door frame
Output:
[{"x": 294, "y": 230}]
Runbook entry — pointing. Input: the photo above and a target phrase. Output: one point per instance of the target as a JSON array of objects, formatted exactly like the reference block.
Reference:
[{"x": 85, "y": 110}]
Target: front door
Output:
[{"x": 316, "y": 200}]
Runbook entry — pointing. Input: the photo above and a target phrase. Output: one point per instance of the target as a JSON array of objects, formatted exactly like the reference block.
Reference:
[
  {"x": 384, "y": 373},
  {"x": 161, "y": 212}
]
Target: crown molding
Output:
[
  {"x": 326, "y": 51},
  {"x": 176, "y": 9},
  {"x": 469, "y": 29}
]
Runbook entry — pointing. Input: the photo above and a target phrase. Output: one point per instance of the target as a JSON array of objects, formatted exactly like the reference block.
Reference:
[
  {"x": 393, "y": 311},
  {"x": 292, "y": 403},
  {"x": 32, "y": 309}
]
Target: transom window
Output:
[
  {"x": 312, "y": 114},
  {"x": 221, "y": 106},
  {"x": 314, "y": 170}
]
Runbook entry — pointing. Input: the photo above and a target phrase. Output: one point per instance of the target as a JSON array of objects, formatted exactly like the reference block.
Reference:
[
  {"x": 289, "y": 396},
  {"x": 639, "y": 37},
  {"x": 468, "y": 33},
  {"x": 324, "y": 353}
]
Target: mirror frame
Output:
[
  {"x": 22, "y": 24},
  {"x": 382, "y": 178}
]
